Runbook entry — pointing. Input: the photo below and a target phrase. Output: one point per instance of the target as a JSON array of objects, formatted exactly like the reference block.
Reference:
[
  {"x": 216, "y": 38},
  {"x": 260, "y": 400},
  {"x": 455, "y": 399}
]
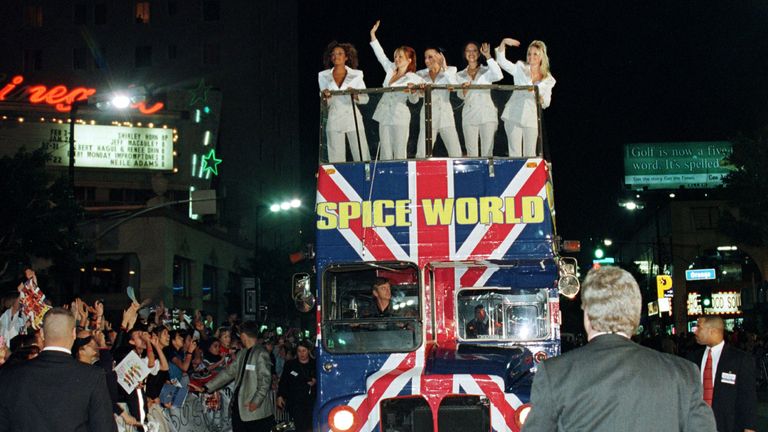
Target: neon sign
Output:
[{"x": 60, "y": 97}]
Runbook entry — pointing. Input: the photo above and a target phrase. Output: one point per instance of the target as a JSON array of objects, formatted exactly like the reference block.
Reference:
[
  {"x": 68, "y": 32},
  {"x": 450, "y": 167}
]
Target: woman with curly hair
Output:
[{"x": 344, "y": 119}]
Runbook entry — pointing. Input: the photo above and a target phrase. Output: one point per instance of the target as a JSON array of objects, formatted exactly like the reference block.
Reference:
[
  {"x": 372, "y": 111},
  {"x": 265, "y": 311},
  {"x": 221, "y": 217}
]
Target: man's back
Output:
[
  {"x": 613, "y": 384},
  {"x": 54, "y": 392}
]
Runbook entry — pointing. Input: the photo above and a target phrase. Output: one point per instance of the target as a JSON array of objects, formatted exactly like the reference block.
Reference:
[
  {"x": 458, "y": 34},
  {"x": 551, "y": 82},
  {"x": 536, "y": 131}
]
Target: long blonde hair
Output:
[{"x": 544, "y": 57}]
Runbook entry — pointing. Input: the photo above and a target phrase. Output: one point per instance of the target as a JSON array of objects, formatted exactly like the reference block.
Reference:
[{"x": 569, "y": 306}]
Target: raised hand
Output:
[
  {"x": 485, "y": 50},
  {"x": 510, "y": 42},
  {"x": 373, "y": 30}
]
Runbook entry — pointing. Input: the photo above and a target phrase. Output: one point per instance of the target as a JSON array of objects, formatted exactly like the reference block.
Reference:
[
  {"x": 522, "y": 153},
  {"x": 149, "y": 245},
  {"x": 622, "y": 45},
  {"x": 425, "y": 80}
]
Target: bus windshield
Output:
[
  {"x": 501, "y": 314},
  {"x": 371, "y": 307}
]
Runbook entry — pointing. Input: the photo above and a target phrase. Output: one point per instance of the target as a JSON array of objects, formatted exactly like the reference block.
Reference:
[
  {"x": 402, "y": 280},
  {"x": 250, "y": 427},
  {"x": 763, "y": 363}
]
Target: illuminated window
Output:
[
  {"x": 79, "y": 58},
  {"x": 210, "y": 276},
  {"x": 143, "y": 56},
  {"x": 100, "y": 14},
  {"x": 33, "y": 60},
  {"x": 211, "y": 55},
  {"x": 211, "y": 10},
  {"x": 142, "y": 12},
  {"x": 80, "y": 14},
  {"x": 181, "y": 276},
  {"x": 33, "y": 16},
  {"x": 172, "y": 52}
]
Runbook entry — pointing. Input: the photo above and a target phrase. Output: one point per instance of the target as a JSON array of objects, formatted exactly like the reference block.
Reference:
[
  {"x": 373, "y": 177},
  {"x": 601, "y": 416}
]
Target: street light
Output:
[{"x": 285, "y": 205}]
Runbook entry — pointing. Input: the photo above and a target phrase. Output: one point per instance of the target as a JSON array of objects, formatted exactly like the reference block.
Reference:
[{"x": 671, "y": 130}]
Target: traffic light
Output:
[
  {"x": 705, "y": 295},
  {"x": 599, "y": 253}
]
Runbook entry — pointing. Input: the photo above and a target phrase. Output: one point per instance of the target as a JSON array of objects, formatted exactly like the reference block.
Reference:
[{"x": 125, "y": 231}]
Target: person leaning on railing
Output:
[
  {"x": 344, "y": 119},
  {"x": 438, "y": 72},
  {"x": 392, "y": 113},
  {"x": 519, "y": 115},
  {"x": 479, "y": 117}
]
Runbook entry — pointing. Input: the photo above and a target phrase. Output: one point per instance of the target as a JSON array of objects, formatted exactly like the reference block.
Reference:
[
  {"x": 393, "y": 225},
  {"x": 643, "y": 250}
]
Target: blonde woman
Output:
[
  {"x": 520, "y": 120},
  {"x": 443, "y": 124}
]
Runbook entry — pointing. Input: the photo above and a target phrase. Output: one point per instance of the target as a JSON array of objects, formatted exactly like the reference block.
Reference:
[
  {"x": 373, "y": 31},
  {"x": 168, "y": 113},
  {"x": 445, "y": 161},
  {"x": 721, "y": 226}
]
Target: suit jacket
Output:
[
  {"x": 734, "y": 399},
  {"x": 478, "y": 105},
  {"x": 521, "y": 106},
  {"x": 392, "y": 108},
  {"x": 442, "y": 110},
  {"x": 340, "y": 108},
  {"x": 54, "y": 392},
  {"x": 613, "y": 384},
  {"x": 256, "y": 382}
]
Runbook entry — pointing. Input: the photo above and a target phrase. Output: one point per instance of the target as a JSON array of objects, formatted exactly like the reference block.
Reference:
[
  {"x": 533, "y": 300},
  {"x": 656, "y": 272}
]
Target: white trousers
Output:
[
  {"x": 521, "y": 140},
  {"x": 486, "y": 132},
  {"x": 393, "y": 141},
  {"x": 337, "y": 151},
  {"x": 450, "y": 138}
]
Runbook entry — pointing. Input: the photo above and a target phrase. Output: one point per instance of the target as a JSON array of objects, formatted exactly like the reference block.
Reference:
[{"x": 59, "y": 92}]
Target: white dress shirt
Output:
[{"x": 716, "y": 351}]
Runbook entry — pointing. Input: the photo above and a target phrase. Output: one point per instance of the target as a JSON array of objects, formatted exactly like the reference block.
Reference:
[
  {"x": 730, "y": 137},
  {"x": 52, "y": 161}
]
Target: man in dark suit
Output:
[
  {"x": 613, "y": 384},
  {"x": 54, "y": 392},
  {"x": 727, "y": 376}
]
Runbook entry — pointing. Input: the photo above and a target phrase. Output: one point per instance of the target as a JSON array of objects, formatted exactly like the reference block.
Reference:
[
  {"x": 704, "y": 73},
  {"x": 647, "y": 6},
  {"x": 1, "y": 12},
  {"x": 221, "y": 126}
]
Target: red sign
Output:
[{"x": 59, "y": 96}]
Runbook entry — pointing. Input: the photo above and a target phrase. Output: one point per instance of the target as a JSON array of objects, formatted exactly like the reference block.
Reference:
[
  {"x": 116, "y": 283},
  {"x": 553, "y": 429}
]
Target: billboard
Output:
[
  {"x": 114, "y": 147},
  {"x": 676, "y": 164}
]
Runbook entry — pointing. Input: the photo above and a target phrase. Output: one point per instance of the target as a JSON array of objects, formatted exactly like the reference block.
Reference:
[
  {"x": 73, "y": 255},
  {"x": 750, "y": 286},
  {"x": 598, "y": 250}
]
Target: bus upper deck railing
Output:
[{"x": 398, "y": 123}]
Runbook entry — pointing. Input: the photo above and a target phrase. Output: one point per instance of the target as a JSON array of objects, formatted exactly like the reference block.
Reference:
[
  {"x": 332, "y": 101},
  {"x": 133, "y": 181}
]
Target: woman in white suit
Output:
[
  {"x": 519, "y": 114},
  {"x": 341, "y": 59},
  {"x": 392, "y": 113},
  {"x": 443, "y": 123},
  {"x": 479, "y": 116}
]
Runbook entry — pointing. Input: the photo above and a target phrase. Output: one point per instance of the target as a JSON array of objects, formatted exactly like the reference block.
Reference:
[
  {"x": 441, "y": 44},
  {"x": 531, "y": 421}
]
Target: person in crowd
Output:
[
  {"x": 12, "y": 321},
  {"x": 392, "y": 112},
  {"x": 251, "y": 409},
  {"x": 344, "y": 119},
  {"x": 179, "y": 353},
  {"x": 727, "y": 375},
  {"x": 297, "y": 390},
  {"x": 613, "y": 384},
  {"x": 520, "y": 113},
  {"x": 22, "y": 355},
  {"x": 55, "y": 392},
  {"x": 224, "y": 334},
  {"x": 438, "y": 72},
  {"x": 479, "y": 116}
]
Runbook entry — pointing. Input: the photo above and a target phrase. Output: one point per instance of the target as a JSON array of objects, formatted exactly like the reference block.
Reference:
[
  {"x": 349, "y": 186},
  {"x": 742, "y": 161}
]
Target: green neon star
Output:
[
  {"x": 200, "y": 94},
  {"x": 211, "y": 163}
]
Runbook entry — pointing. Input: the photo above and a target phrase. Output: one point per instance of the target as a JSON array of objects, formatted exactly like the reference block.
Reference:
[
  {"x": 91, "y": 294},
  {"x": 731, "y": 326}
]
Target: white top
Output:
[
  {"x": 11, "y": 325},
  {"x": 59, "y": 349},
  {"x": 716, "y": 351},
  {"x": 340, "y": 107},
  {"x": 442, "y": 111},
  {"x": 392, "y": 109},
  {"x": 478, "y": 105},
  {"x": 521, "y": 107}
]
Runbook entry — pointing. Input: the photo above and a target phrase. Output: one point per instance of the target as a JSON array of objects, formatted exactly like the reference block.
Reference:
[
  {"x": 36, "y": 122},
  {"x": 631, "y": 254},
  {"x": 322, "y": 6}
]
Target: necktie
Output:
[{"x": 708, "y": 386}]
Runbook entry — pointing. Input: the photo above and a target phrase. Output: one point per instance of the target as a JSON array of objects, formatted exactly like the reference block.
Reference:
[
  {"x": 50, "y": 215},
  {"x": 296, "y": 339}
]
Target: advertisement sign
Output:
[
  {"x": 114, "y": 147},
  {"x": 653, "y": 308},
  {"x": 677, "y": 164},
  {"x": 664, "y": 286},
  {"x": 722, "y": 303}
]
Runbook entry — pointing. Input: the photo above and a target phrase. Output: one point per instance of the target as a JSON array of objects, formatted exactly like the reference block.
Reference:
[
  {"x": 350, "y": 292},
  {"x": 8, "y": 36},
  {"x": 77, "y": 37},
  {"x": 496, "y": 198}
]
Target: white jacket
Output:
[
  {"x": 521, "y": 107},
  {"x": 442, "y": 111},
  {"x": 478, "y": 105},
  {"x": 340, "y": 107},
  {"x": 392, "y": 108}
]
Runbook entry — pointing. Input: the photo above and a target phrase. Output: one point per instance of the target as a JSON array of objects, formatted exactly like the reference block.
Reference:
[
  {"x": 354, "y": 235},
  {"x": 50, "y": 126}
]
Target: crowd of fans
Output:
[{"x": 180, "y": 351}]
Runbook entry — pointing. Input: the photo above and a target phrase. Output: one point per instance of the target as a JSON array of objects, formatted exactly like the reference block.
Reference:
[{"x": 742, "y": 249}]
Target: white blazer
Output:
[
  {"x": 521, "y": 107},
  {"x": 340, "y": 107},
  {"x": 392, "y": 108},
  {"x": 442, "y": 111},
  {"x": 478, "y": 105}
]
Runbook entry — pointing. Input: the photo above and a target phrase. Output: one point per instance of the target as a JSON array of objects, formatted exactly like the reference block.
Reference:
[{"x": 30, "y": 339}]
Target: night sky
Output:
[{"x": 627, "y": 71}]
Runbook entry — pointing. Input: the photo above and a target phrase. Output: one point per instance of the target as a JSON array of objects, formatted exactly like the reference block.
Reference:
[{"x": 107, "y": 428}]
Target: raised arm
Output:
[
  {"x": 381, "y": 56},
  {"x": 493, "y": 73},
  {"x": 501, "y": 58}
]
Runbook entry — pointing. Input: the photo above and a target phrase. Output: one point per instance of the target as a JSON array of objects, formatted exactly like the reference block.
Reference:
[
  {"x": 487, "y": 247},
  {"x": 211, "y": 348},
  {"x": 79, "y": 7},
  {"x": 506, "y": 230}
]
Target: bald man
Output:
[
  {"x": 54, "y": 392},
  {"x": 727, "y": 377}
]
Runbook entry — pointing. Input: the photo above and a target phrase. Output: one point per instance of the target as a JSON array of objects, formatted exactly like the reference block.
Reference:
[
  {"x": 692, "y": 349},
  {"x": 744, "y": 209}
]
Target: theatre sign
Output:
[{"x": 95, "y": 146}]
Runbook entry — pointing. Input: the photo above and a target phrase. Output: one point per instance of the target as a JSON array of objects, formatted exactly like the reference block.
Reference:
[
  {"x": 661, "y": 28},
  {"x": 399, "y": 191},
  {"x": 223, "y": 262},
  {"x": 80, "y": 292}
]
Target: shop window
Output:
[
  {"x": 182, "y": 268},
  {"x": 142, "y": 12},
  {"x": 210, "y": 276},
  {"x": 110, "y": 274}
]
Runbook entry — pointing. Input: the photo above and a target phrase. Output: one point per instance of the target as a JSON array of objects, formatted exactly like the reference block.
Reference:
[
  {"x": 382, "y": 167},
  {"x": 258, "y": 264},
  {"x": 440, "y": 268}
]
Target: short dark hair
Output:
[
  {"x": 478, "y": 307},
  {"x": 379, "y": 281},
  {"x": 251, "y": 328}
]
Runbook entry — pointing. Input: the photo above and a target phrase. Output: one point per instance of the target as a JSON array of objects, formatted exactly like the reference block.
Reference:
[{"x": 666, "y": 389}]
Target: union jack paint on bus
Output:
[{"x": 467, "y": 248}]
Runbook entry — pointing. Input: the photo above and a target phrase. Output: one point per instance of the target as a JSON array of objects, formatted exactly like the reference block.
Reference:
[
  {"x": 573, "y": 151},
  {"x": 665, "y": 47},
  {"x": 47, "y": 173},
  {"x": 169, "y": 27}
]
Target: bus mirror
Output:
[
  {"x": 568, "y": 284},
  {"x": 302, "y": 294}
]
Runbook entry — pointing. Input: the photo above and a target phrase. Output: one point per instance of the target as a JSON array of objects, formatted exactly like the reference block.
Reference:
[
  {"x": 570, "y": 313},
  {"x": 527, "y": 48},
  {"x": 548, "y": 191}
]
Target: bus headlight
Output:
[
  {"x": 521, "y": 414},
  {"x": 342, "y": 418}
]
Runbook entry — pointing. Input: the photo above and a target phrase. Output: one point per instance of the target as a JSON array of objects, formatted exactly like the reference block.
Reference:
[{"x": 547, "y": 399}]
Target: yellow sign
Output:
[
  {"x": 664, "y": 286},
  {"x": 462, "y": 211}
]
